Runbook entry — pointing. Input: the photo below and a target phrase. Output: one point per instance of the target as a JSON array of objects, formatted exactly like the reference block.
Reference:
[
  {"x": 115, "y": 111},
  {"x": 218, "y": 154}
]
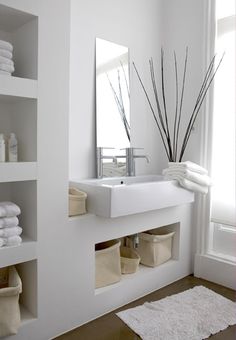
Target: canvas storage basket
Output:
[
  {"x": 9, "y": 304},
  {"x": 129, "y": 260},
  {"x": 155, "y": 247},
  {"x": 77, "y": 202},
  {"x": 107, "y": 263}
]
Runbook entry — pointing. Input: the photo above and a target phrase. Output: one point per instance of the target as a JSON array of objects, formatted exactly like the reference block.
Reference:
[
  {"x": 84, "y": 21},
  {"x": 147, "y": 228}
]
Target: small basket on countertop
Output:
[
  {"x": 77, "y": 202},
  {"x": 129, "y": 260}
]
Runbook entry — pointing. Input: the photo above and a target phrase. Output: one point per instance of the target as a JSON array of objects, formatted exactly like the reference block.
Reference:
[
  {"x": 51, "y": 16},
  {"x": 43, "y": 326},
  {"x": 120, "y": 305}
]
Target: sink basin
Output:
[{"x": 121, "y": 196}]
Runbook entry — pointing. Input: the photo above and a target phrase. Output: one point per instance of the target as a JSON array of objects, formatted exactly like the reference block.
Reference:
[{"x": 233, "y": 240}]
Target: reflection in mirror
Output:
[{"x": 112, "y": 107}]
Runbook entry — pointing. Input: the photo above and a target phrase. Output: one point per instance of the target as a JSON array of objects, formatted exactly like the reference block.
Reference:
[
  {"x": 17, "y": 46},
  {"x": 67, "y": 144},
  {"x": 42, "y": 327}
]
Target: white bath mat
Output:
[{"x": 194, "y": 314}]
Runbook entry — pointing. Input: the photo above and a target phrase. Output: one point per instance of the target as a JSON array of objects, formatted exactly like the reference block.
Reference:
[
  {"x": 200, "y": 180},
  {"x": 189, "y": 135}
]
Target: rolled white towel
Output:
[
  {"x": 8, "y": 232},
  {"x": 187, "y": 184},
  {"x": 5, "y": 45},
  {"x": 10, "y": 241},
  {"x": 6, "y": 61},
  {"x": 188, "y": 165},
  {"x": 5, "y": 53},
  {"x": 7, "y": 68},
  {"x": 190, "y": 175},
  {"x": 4, "y": 73},
  {"x": 9, "y": 222},
  {"x": 9, "y": 209}
]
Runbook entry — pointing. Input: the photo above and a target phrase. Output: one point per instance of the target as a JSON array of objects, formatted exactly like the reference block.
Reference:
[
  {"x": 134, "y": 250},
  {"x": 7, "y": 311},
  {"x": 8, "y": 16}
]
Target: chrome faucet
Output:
[
  {"x": 129, "y": 157},
  {"x": 130, "y": 160},
  {"x": 100, "y": 157}
]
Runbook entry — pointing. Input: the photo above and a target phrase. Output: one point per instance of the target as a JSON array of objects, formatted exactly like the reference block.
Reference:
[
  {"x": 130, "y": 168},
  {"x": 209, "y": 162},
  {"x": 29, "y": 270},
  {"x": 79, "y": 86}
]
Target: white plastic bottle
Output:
[
  {"x": 2, "y": 148},
  {"x": 12, "y": 148}
]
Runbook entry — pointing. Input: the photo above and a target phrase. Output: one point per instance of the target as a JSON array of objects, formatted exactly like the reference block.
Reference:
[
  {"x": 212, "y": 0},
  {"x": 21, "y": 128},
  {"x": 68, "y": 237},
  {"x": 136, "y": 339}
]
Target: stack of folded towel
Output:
[
  {"x": 6, "y": 62},
  {"x": 189, "y": 175},
  {"x": 9, "y": 224}
]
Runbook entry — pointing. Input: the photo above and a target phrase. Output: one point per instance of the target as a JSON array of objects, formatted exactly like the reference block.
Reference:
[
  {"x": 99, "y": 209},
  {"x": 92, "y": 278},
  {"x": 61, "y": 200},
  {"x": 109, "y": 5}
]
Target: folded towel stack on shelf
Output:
[
  {"x": 6, "y": 62},
  {"x": 189, "y": 175},
  {"x": 9, "y": 224}
]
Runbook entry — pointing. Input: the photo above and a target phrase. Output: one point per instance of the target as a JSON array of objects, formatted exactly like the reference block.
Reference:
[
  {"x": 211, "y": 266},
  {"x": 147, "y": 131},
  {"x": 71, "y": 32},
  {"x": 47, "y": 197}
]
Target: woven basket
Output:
[
  {"x": 107, "y": 261},
  {"x": 155, "y": 248},
  {"x": 129, "y": 260}
]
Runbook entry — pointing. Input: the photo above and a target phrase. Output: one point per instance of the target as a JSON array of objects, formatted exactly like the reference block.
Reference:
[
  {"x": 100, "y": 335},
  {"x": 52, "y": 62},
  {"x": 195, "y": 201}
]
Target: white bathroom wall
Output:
[
  {"x": 137, "y": 25},
  {"x": 144, "y": 27},
  {"x": 183, "y": 26}
]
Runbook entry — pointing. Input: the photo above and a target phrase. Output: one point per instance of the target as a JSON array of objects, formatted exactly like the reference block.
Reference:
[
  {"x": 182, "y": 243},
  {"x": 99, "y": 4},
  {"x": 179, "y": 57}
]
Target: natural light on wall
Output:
[{"x": 223, "y": 214}]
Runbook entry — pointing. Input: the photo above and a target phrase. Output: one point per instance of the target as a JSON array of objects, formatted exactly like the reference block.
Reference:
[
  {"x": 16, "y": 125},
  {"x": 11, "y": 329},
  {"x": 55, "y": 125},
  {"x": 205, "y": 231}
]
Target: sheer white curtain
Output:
[
  {"x": 223, "y": 212},
  {"x": 224, "y": 140}
]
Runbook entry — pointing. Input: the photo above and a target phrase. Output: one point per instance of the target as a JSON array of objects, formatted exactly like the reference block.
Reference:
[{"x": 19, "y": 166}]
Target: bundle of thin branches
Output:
[
  {"x": 160, "y": 115},
  {"x": 119, "y": 100}
]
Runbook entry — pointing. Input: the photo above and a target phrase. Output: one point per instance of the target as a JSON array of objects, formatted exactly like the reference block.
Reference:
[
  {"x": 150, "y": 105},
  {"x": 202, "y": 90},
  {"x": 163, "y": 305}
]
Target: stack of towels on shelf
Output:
[
  {"x": 6, "y": 62},
  {"x": 191, "y": 176},
  {"x": 9, "y": 224}
]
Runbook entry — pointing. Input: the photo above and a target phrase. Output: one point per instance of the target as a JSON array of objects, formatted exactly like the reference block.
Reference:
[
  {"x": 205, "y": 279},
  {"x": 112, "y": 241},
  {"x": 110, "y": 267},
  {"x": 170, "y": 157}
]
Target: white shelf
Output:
[
  {"x": 142, "y": 271},
  {"x": 20, "y": 171},
  {"x": 26, "y": 316},
  {"x": 17, "y": 254},
  {"x": 12, "y": 19},
  {"x": 12, "y": 88}
]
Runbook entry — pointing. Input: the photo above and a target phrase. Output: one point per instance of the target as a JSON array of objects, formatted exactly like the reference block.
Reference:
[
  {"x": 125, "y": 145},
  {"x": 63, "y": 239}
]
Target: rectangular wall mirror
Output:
[{"x": 112, "y": 107}]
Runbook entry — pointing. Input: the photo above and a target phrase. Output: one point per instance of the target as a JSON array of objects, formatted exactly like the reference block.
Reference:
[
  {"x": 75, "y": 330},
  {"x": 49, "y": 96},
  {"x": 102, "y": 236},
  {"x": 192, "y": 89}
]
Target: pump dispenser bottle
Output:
[
  {"x": 2, "y": 148},
  {"x": 12, "y": 148}
]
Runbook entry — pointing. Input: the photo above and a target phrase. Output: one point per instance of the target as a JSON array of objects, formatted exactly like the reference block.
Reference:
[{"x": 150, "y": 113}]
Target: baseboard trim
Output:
[{"x": 216, "y": 270}]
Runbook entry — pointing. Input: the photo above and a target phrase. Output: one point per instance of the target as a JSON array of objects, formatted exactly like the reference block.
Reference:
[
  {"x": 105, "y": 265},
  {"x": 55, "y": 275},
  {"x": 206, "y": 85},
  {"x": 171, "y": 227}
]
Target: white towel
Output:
[
  {"x": 190, "y": 175},
  {"x": 10, "y": 241},
  {"x": 9, "y": 222},
  {"x": 188, "y": 165},
  {"x": 4, "y": 73},
  {"x": 5, "y": 45},
  {"x": 5, "y": 53},
  {"x": 7, "y": 68},
  {"x": 6, "y": 61},
  {"x": 8, "y": 232},
  {"x": 187, "y": 184},
  {"x": 9, "y": 209}
]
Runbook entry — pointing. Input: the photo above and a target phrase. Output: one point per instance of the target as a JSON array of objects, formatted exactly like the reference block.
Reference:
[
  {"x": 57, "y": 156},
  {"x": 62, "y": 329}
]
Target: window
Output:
[{"x": 223, "y": 213}]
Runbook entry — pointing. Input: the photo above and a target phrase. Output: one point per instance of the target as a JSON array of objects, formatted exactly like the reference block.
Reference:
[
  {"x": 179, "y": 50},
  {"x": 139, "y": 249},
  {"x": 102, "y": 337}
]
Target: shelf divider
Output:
[
  {"x": 18, "y": 87},
  {"x": 19, "y": 171},
  {"x": 27, "y": 251}
]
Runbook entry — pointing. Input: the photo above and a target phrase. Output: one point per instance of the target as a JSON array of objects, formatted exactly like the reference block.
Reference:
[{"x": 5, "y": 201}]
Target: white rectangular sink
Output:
[{"x": 121, "y": 196}]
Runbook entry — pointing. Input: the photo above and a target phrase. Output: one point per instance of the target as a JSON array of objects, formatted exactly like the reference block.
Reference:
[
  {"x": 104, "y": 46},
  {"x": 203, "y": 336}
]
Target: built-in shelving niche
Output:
[
  {"x": 150, "y": 272},
  {"x": 23, "y": 194},
  {"x": 21, "y": 29},
  {"x": 19, "y": 115},
  {"x": 18, "y": 181},
  {"x": 28, "y": 298}
]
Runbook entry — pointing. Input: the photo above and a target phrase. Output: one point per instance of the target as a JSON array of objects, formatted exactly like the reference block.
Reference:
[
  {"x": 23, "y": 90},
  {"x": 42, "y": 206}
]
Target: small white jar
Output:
[{"x": 2, "y": 148}]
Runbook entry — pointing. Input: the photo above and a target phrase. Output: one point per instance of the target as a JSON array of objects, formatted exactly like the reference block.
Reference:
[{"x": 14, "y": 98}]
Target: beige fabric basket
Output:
[
  {"x": 129, "y": 260},
  {"x": 155, "y": 248},
  {"x": 4, "y": 275},
  {"x": 77, "y": 202},
  {"x": 107, "y": 263},
  {"x": 9, "y": 304}
]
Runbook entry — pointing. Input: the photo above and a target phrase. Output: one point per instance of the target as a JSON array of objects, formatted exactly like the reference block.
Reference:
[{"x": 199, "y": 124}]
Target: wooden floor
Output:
[{"x": 110, "y": 327}]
